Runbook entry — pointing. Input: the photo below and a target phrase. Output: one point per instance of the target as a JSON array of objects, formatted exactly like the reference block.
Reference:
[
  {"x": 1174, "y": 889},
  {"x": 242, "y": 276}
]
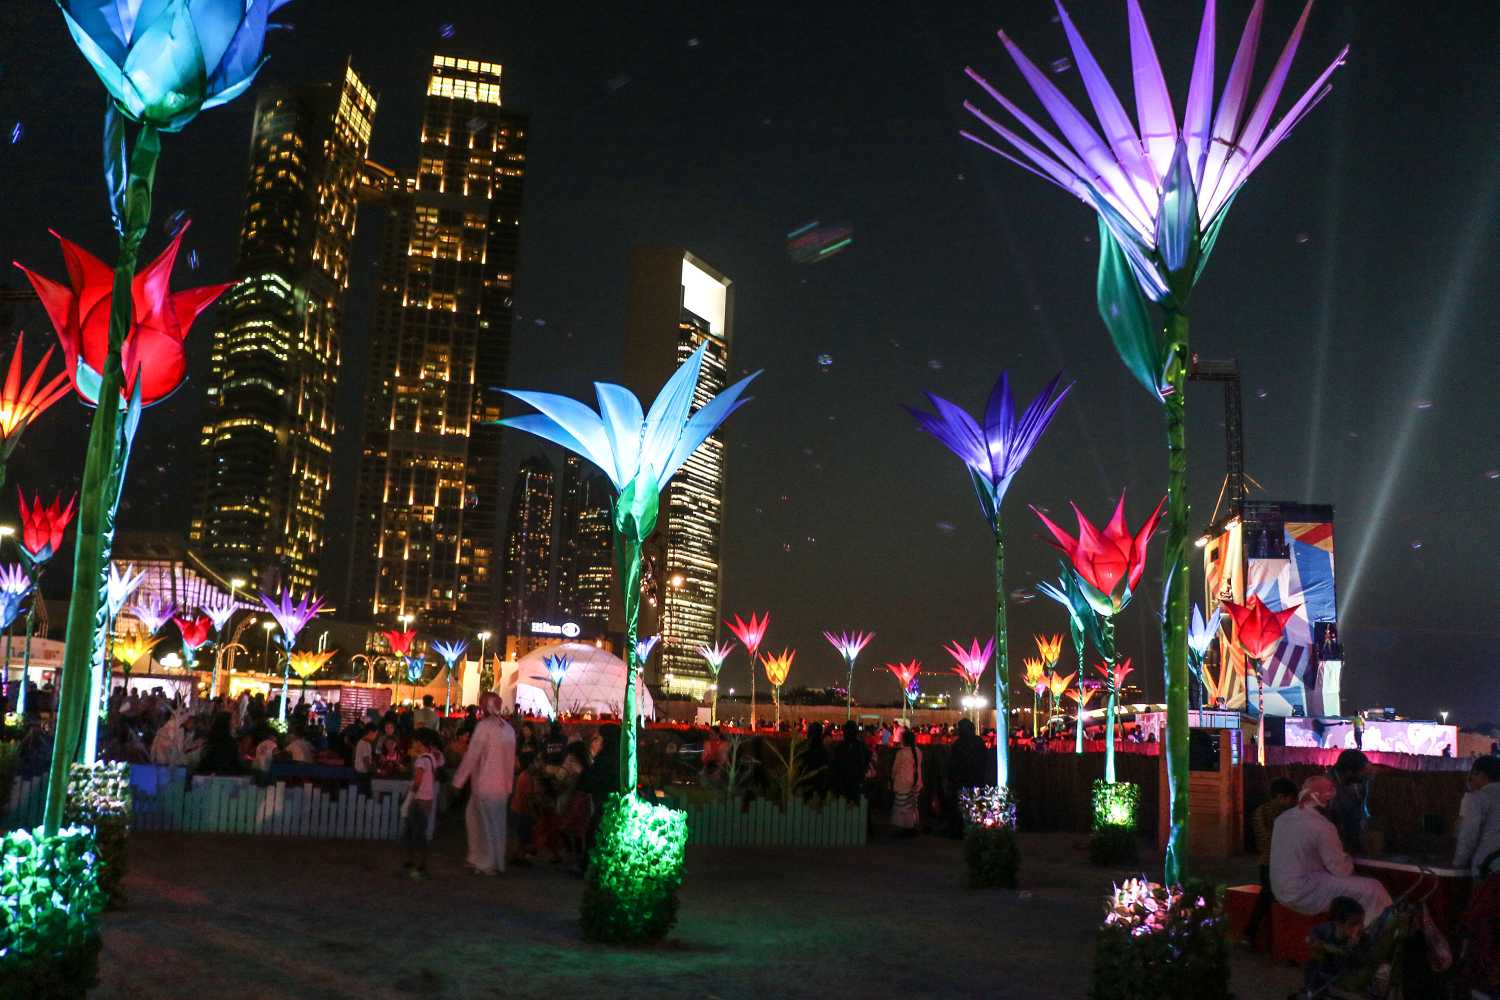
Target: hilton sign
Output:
[{"x": 568, "y": 630}]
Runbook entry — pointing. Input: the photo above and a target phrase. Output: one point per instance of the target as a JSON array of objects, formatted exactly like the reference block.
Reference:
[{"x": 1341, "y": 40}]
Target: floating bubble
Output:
[
  {"x": 786, "y": 546},
  {"x": 15, "y": 133},
  {"x": 1424, "y": 404},
  {"x": 946, "y": 527},
  {"x": 1062, "y": 65},
  {"x": 539, "y": 321},
  {"x": 1260, "y": 394},
  {"x": 447, "y": 30},
  {"x": 1022, "y": 595},
  {"x": 1354, "y": 434},
  {"x": 935, "y": 364},
  {"x": 1303, "y": 239},
  {"x": 1492, "y": 474},
  {"x": 476, "y": 124},
  {"x": 961, "y": 177},
  {"x": 785, "y": 498},
  {"x": 193, "y": 259},
  {"x": 811, "y": 540},
  {"x": 825, "y": 361},
  {"x": 175, "y": 222},
  {"x": 1416, "y": 543},
  {"x": 692, "y": 43},
  {"x": 616, "y": 82},
  {"x": 807, "y": 451},
  {"x": 814, "y": 242}
]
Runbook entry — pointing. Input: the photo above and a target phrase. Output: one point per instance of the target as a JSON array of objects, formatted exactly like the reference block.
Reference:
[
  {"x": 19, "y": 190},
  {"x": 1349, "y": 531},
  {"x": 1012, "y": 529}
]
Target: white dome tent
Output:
[{"x": 594, "y": 683}]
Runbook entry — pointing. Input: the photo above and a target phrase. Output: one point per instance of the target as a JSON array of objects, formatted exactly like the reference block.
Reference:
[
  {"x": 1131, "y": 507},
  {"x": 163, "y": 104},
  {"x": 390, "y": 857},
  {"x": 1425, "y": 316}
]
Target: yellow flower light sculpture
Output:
[
  {"x": 305, "y": 664},
  {"x": 1058, "y": 683},
  {"x": 1050, "y": 648},
  {"x": 777, "y": 669},
  {"x": 130, "y": 647},
  {"x": 1036, "y": 679}
]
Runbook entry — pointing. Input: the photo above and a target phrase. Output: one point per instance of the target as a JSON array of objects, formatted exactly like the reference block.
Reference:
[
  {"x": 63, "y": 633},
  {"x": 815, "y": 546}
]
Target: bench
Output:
[
  {"x": 1289, "y": 931},
  {"x": 1239, "y": 904}
]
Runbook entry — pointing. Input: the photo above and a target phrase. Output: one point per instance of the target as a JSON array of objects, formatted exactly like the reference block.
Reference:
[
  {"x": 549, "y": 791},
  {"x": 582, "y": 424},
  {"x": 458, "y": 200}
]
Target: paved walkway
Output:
[{"x": 245, "y": 917}]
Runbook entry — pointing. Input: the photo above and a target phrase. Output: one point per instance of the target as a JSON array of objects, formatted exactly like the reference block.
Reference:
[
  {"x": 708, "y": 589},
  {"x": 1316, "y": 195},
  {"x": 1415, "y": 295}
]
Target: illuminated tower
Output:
[
  {"x": 585, "y": 555},
  {"x": 426, "y": 533},
  {"x": 677, "y": 302},
  {"x": 265, "y": 456},
  {"x": 528, "y": 546}
]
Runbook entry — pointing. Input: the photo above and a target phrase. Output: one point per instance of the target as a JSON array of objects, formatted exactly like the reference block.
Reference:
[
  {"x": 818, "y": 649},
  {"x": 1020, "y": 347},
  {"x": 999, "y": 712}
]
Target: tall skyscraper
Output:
[
  {"x": 265, "y": 461},
  {"x": 677, "y": 302},
  {"x": 585, "y": 546},
  {"x": 527, "y": 576},
  {"x": 427, "y": 515}
]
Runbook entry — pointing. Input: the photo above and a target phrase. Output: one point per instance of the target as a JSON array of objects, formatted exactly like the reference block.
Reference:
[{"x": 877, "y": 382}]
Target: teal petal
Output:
[
  {"x": 621, "y": 413},
  {"x": 1123, "y": 309},
  {"x": 106, "y": 67},
  {"x": 1177, "y": 226},
  {"x": 216, "y": 24},
  {"x": 669, "y": 412},
  {"x": 165, "y": 66},
  {"x": 703, "y": 423}
]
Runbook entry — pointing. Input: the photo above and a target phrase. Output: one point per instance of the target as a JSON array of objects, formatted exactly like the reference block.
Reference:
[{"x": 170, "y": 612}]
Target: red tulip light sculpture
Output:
[
  {"x": 750, "y": 634},
  {"x": 195, "y": 632},
  {"x": 1114, "y": 680},
  {"x": 42, "y": 528},
  {"x": 906, "y": 674},
  {"x": 1258, "y": 631}
]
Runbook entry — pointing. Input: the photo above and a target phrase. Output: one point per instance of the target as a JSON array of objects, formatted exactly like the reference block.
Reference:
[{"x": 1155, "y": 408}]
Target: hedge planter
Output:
[
  {"x": 634, "y": 872},
  {"x": 991, "y": 853},
  {"x": 1167, "y": 943},
  {"x": 99, "y": 796},
  {"x": 1115, "y": 839},
  {"x": 49, "y": 941}
]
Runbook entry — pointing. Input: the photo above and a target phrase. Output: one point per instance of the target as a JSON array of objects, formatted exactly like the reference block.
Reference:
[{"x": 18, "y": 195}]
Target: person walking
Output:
[
  {"x": 488, "y": 768},
  {"x": 421, "y": 796}
]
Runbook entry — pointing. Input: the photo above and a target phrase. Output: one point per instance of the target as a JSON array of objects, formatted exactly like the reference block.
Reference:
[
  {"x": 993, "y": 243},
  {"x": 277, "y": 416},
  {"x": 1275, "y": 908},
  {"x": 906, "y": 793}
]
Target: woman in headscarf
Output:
[
  {"x": 1309, "y": 866},
  {"x": 906, "y": 784}
]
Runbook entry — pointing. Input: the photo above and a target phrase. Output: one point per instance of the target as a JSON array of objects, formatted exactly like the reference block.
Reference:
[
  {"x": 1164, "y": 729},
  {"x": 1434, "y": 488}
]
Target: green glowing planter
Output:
[
  {"x": 49, "y": 940},
  {"x": 1116, "y": 812},
  {"x": 99, "y": 796},
  {"x": 634, "y": 872},
  {"x": 991, "y": 852},
  {"x": 1159, "y": 941}
]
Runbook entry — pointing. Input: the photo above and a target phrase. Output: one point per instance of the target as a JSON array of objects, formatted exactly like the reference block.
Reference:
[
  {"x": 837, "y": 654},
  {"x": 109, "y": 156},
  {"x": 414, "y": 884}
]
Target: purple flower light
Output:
[
  {"x": 14, "y": 586},
  {"x": 219, "y": 607},
  {"x": 972, "y": 661},
  {"x": 153, "y": 613},
  {"x": 715, "y": 656},
  {"x": 994, "y": 452},
  {"x": 1162, "y": 191},
  {"x": 849, "y": 644},
  {"x": 292, "y": 617}
]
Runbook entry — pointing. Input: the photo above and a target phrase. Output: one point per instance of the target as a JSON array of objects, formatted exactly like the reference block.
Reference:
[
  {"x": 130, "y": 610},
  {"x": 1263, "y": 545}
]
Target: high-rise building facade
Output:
[
  {"x": 426, "y": 537},
  {"x": 265, "y": 462},
  {"x": 527, "y": 575},
  {"x": 677, "y": 302},
  {"x": 585, "y": 546}
]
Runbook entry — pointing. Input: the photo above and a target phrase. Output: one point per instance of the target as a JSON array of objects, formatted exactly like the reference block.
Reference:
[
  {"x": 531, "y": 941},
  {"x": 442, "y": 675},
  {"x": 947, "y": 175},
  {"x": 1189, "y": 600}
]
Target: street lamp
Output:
[{"x": 483, "y": 637}]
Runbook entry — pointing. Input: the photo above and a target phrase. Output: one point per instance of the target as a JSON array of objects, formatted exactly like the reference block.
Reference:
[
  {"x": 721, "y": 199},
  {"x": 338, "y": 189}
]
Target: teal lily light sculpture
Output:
[
  {"x": 1201, "y": 636},
  {"x": 849, "y": 645},
  {"x": 451, "y": 652},
  {"x": 993, "y": 453},
  {"x": 639, "y": 452},
  {"x": 161, "y": 62},
  {"x": 557, "y": 666},
  {"x": 636, "y": 864},
  {"x": 714, "y": 657},
  {"x": 292, "y": 618},
  {"x": 121, "y": 587},
  {"x": 1161, "y": 194}
]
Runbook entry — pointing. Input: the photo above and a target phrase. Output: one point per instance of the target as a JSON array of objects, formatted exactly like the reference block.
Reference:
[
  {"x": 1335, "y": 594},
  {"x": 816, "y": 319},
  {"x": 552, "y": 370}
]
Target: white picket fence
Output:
[{"x": 164, "y": 800}]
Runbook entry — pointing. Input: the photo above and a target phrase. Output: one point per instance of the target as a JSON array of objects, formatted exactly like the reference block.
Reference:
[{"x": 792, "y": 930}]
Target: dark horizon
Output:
[{"x": 1356, "y": 272}]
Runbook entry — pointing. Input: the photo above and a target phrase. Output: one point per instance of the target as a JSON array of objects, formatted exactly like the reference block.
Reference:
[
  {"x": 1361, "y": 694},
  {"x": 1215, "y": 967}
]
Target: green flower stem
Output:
[
  {"x": 1002, "y": 665},
  {"x": 753, "y": 666},
  {"x": 1175, "y": 610},
  {"x": 103, "y": 475},
  {"x": 20, "y": 698},
  {"x": 1107, "y": 633},
  {"x": 1080, "y": 649},
  {"x": 1260, "y": 711},
  {"x": 849, "y": 690},
  {"x": 628, "y": 572}
]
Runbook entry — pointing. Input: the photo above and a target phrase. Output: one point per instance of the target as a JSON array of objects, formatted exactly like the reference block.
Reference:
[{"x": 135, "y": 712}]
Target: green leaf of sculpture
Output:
[{"x": 1123, "y": 308}]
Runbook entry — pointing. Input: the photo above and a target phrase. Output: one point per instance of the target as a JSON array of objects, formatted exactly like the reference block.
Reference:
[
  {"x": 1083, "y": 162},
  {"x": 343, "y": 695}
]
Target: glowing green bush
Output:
[
  {"x": 1116, "y": 809},
  {"x": 634, "y": 872},
  {"x": 99, "y": 796},
  {"x": 1164, "y": 942},
  {"x": 49, "y": 942},
  {"x": 993, "y": 857}
]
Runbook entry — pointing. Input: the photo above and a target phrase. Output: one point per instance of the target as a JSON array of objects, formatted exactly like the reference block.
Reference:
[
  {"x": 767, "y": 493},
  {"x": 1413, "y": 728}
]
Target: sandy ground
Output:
[{"x": 248, "y": 917}]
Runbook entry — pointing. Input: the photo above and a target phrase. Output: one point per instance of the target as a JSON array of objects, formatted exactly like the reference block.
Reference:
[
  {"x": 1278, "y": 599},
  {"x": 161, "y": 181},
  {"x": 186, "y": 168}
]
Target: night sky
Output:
[{"x": 1354, "y": 282}]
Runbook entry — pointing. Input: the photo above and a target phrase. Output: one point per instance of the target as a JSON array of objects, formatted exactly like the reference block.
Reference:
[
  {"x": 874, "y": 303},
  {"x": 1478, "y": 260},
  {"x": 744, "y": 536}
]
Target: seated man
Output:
[
  {"x": 1479, "y": 815},
  {"x": 1309, "y": 867}
]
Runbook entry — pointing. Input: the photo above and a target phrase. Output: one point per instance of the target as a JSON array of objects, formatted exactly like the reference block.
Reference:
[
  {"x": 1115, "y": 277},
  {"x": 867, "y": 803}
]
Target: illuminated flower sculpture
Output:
[
  {"x": 751, "y": 634},
  {"x": 400, "y": 642},
  {"x": 451, "y": 652},
  {"x": 219, "y": 607},
  {"x": 1258, "y": 631},
  {"x": 161, "y": 62},
  {"x": 906, "y": 675},
  {"x": 849, "y": 645},
  {"x": 777, "y": 669},
  {"x": 1068, "y": 592},
  {"x": 993, "y": 452},
  {"x": 14, "y": 586},
  {"x": 643, "y": 648},
  {"x": 128, "y": 649},
  {"x": 121, "y": 587},
  {"x": 1201, "y": 636},
  {"x": 557, "y": 671},
  {"x": 21, "y": 403},
  {"x": 714, "y": 657},
  {"x": 1161, "y": 195},
  {"x": 1035, "y": 677},
  {"x": 971, "y": 664},
  {"x": 1114, "y": 681},
  {"x": 195, "y": 632},
  {"x": 633, "y": 879},
  {"x": 1049, "y": 648},
  {"x": 43, "y": 527},
  {"x": 153, "y": 614},
  {"x": 1059, "y": 684},
  {"x": 305, "y": 663},
  {"x": 292, "y": 618},
  {"x": 1107, "y": 567}
]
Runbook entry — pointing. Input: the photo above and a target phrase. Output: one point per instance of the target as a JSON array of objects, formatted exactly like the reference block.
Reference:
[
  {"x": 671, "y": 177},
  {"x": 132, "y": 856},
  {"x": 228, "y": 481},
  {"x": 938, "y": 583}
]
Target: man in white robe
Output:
[
  {"x": 488, "y": 768},
  {"x": 1309, "y": 866}
]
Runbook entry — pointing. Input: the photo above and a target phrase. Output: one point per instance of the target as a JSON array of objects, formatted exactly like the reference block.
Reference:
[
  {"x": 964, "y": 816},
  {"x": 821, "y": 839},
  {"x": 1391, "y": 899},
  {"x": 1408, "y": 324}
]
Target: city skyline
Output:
[{"x": 527, "y": 573}]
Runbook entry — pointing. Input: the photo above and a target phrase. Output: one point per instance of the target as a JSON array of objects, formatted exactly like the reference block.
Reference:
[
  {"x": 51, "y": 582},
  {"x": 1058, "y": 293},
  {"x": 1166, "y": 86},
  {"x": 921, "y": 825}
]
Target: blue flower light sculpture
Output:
[
  {"x": 639, "y": 452},
  {"x": 451, "y": 652},
  {"x": 993, "y": 452},
  {"x": 557, "y": 666}
]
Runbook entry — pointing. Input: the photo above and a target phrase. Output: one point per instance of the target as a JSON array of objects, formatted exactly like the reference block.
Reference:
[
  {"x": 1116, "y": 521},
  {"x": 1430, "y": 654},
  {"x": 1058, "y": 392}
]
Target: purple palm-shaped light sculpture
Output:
[
  {"x": 993, "y": 452},
  {"x": 219, "y": 608},
  {"x": 153, "y": 613},
  {"x": 1161, "y": 194},
  {"x": 292, "y": 618},
  {"x": 451, "y": 652},
  {"x": 849, "y": 645}
]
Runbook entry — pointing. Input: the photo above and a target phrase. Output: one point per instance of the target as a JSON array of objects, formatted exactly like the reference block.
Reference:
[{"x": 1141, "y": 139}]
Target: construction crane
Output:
[{"x": 1234, "y": 490}]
